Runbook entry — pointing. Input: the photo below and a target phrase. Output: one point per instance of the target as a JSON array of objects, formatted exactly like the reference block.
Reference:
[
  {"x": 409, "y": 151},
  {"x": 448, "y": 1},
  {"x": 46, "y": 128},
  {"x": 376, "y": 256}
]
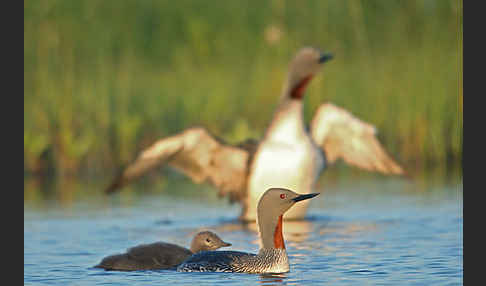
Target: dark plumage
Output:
[
  {"x": 160, "y": 255},
  {"x": 215, "y": 261},
  {"x": 272, "y": 256},
  {"x": 157, "y": 255}
]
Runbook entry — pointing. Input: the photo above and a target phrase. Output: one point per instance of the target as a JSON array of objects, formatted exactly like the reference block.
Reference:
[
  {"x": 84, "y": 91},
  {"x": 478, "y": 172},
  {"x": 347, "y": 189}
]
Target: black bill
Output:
[
  {"x": 304, "y": 197},
  {"x": 325, "y": 57}
]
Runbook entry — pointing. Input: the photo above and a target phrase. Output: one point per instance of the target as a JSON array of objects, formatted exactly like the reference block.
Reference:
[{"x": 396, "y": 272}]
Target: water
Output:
[{"x": 372, "y": 232}]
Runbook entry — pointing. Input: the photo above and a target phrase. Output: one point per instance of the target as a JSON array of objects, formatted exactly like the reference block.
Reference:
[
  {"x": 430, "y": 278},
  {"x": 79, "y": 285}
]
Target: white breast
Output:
[{"x": 295, "y": 165}]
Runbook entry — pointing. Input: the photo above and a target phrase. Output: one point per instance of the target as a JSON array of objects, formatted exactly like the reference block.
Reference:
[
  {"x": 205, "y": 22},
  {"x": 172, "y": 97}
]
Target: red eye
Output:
[{"x": 282, "y": 196}]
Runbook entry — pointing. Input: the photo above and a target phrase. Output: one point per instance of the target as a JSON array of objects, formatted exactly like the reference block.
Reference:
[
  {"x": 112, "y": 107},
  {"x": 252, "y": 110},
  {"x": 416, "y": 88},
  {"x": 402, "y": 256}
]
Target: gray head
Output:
[
  {"x": 303, "y": 67},
  {"x": 207, "y": 240},
  {"x": 276, "y": 201},
  {"x": 271, "y": 207}
]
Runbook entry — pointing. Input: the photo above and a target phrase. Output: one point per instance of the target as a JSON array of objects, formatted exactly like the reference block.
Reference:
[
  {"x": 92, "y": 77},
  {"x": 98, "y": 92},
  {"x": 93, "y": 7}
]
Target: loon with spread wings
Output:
[{"x": 288, "y": 156}]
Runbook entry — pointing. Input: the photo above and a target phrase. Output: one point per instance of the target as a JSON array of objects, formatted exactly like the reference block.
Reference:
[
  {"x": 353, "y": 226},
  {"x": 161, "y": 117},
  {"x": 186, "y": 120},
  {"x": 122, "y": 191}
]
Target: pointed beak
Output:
[
  {"x": 325, "y": 57},
  {"x": 304, "y": 197},
  {"x": 224, "y": 244}
]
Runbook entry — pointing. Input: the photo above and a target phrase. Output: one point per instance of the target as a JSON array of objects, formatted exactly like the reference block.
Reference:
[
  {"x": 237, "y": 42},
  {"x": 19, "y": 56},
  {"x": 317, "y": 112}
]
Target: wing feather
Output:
[
  {"x": 342, "y": 135},
  {"x": 198, "y": 155}
]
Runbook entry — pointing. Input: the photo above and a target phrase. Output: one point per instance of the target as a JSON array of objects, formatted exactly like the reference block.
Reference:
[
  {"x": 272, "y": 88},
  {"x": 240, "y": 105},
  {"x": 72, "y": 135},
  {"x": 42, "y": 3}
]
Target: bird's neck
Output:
[
  {"x": 272, "y": 256},
  {"x": 278, "y": 241},
  {"x": 297, "y": 91},
  {"x": 271, "y": 235},
  {"x": 194, "y": 247},
  {"x": 288, "y": 123},
  {"x": 273, "y": 260}
]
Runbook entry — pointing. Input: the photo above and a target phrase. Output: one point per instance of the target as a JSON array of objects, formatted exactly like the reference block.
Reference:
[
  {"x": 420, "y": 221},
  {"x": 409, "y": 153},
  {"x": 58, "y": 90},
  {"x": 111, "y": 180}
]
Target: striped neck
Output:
[{"x": 271, "y": 261}]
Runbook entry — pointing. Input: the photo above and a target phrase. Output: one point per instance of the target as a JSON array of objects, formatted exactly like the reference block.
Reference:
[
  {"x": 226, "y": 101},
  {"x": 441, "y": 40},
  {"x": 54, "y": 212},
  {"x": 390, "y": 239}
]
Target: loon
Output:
[
  {"x": 288, "y": 156},
  {"x": 272, "y": 256},
  {"x": 160, "y": 255}
]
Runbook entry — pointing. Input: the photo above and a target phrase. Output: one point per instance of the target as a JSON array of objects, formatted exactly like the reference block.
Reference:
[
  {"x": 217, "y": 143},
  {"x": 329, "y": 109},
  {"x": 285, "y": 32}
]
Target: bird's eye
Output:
[
  {"x": 208, "y": 240},
  {"x": 283, "y": 196}
]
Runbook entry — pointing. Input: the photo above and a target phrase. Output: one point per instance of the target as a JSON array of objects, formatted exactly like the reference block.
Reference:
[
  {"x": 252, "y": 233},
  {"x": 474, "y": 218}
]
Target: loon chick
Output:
[
  {"x": 161, "y": 255},
  {"x": 288, "y": 156},
  {"x": 272, "y": 257}
]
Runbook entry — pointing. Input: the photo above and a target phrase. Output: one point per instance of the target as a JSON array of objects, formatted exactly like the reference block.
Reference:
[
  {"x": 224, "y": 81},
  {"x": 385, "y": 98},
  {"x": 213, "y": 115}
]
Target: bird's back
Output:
[
  {"x": 215, "y": 261},
  {"x": 159, "y": 255},
  {"x": 266, "y": 261}
]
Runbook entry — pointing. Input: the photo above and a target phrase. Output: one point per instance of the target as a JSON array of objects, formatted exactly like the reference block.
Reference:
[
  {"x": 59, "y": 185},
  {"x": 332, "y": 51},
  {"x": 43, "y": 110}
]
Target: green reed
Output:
[{"x": 103, "y": 79}]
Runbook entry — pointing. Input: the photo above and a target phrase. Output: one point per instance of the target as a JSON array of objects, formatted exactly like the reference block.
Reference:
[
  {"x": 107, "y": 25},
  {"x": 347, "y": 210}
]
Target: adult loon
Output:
[
  {"x": 288, "y": 156},
  {"x": 161, "y": 255},
  {"x": 272, "y": 256}
]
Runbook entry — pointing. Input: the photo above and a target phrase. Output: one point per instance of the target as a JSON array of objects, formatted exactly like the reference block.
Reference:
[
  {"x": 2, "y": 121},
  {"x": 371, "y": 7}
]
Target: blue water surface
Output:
[{"x": 375, "y": 232}]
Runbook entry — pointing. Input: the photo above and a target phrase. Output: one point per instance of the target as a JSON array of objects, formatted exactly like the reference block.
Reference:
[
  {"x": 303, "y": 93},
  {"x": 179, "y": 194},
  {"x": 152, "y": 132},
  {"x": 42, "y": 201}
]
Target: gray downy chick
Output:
[{"x": 161, "y": 255}]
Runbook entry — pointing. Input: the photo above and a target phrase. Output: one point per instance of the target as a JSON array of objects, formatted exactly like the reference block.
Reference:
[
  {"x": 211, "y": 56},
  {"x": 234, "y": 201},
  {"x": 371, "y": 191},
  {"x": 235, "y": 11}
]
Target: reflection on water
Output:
[
  {"x": 272, "y": 279},
  {"x": 361, "y": 232},
  {"x": 297, "y": 231},
  {"x": 293, "y": 230},
  {"x": 66, "y": 190}
]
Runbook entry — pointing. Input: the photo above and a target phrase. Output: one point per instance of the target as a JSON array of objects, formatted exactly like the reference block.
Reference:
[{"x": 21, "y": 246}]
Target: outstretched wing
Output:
[
  {"x": 198, "y": 155},
  {"x": 342, "y": 135}
]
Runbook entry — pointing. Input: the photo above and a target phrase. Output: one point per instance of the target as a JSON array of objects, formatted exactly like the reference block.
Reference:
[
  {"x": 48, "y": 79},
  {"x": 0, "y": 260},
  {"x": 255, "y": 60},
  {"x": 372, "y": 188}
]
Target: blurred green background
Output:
[{"x": 103, "y": 79}]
